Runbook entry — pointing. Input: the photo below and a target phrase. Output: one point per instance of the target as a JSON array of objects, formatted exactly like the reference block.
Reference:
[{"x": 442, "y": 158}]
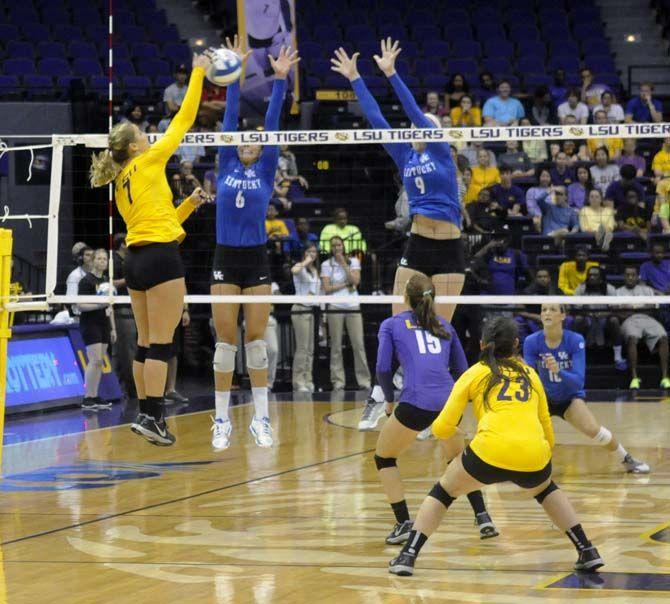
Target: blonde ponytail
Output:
[
  {"x": 103, "y": 169},
  {"x": 106, "y": 165}
]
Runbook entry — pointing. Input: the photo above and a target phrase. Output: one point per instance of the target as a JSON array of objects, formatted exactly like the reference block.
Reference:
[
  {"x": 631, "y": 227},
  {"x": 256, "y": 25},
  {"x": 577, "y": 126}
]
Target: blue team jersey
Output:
[
  {"x": 568, "y": 383},
  {"x": 243, "y": 193},
  {"x": 430, "y": 364},
  {"x": 430, "y": 176}
]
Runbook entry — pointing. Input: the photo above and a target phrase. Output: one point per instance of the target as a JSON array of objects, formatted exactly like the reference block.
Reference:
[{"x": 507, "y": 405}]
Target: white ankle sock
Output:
[
  {"x": 221, "y": 402},
  {"x": 617, "y": 353},
  {"x": 377, "y": 394},
  {"x": 260, "y": 396},
  {"x": 620, "y": 452}
]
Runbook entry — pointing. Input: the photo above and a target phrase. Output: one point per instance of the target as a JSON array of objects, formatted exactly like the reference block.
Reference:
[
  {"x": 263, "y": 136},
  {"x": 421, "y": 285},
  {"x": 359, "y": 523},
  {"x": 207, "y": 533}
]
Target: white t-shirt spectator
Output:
[
  {"x": 175, "y": 94},
  {"x": 347, "y": 299},
  {"x": 72, "y": 285},
  {"x": 307, "y": 283},
  {"x": 581, "y": 111},
  {"x": 615, "y": 113},
  {"x": 604, "y": 177}
]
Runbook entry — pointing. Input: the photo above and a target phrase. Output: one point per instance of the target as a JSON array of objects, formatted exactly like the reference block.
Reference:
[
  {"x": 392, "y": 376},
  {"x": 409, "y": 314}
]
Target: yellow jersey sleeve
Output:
[
  {"x": 447, "y": 421},
  {"x": 542, "y": 408},
  {"x": 183, "y": 119},
  {"x": 184, "y": 210}
]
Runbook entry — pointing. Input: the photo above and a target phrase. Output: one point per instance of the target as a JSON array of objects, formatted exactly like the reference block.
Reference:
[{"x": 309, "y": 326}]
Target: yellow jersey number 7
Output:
[{"x": 126, "y": 186}]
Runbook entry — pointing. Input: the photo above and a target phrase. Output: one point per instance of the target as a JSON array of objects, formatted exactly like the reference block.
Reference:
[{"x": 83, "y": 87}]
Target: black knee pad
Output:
[
  {"x": 441, "y": 495},
  {"x": 160, "y": 352},
  {"x": 141, "y": 354},
  {"x": 540, "y": 497},
  {"x": 385, "y": 462}
]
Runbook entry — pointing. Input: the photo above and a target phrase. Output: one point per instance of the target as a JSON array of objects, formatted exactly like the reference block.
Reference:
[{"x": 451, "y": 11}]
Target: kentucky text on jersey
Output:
[
  {"x": 568, "y": 382},
  {"x": 429, "y": 176},
  {"x": 243, "y": 193},
  {"x": 429, "y": 363}
]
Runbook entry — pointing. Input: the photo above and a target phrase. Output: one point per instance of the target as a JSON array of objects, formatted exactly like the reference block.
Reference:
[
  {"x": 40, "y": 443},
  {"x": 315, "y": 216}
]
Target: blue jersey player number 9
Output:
[
  {"x": 418, "y": 181},
  {"x": 427, "y": 342}
]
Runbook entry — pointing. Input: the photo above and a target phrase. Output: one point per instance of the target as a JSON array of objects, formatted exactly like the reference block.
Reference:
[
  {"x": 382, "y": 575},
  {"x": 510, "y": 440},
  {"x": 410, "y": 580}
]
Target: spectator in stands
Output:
[
  {"x": 468, "y": 197},
  {"x": 296, "y": 247},
  {"x": 275, "y": 227},
  {"x": 503, "y": 109},
  {"x": 656, "y": 272},
  {"x": 596, "y": 323},
  {"x": 661, "y": 216},
  {"x": 402, "y": 222},
  {"x": 486, "y": 214},
  {"x": 497, "y": 267},
  {"x": 641, "y": 325},
  {"x": 281, "y": 191},
  {"x": 614, "y": 146},
  {"x": 613, "y": 111},
  {"x": 483, "y": 175},
  {"x": 542, "y": 111},
  {"x": 174, "y": 94},
  {"x": 603, "y": 173},
  {"x": 616, "y": 192},
  {"x": 212, "y": 101},
  {"x": 433, "y": 105},
  {"x": 661, "y": 162},
  {"x": 184, "y": 182},
  {"x": 307, "y": 282},
  {"x": 456, "y": 89},
  {"x": 341, "y": 277},
  {"x": 529, "y": 320},
  {"x": 634, "y": 215},
  {"x": 591, "y": 92},
  {"x": 465, "y": 114},
  {"x": 579, "y": 190},
  {"x": 135, "y": 115},
  {"x": 471, "y": 153},
  {"x": 644, "y": 108},
  {"x": 562, "y": 173},
  {"x": 517, "y": 160},
  {"x": 575, "y": 149},
  {"x": 209, "y": 179},
  {"x": 288, "y": 166},
  {"x": 559, "y": 89},
  {"x": 487, "y": 86},
  {"x": 598, "y": 219},
  {"x": 126, "y": 330},
  {"x": 445, "y": 120},
  {"x": 629, "y": 157},
  {"x": 558, "y": 218},
  {"x": 535, "y": 149},
  {"x": 573, "y": 106},
  {"x": 572, "y": 273},
  {"x": 190, "y": 153},
  {"x": 508, "y": 195},
  {"x": 348, "y": 233},
  {"x": 541, "y": 190}
]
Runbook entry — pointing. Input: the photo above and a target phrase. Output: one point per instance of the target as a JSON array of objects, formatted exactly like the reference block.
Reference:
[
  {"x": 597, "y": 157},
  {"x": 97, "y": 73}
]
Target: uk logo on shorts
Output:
[{"x": 217, "y": 275}]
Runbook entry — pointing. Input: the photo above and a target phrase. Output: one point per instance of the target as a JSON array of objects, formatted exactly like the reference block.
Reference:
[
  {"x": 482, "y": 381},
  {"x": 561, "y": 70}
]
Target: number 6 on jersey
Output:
[{"x": 239, "y": 200}]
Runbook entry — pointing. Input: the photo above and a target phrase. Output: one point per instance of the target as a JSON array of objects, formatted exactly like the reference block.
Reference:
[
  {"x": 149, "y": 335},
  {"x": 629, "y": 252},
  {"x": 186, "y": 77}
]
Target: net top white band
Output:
[{"x": 394, "y": 135}]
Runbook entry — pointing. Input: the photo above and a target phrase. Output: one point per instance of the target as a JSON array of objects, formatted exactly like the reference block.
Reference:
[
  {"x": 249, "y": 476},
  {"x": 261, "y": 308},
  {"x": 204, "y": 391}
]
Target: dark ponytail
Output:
[
  {"x": 421, "y": 297},
  {"x": 499, "y": 354}
]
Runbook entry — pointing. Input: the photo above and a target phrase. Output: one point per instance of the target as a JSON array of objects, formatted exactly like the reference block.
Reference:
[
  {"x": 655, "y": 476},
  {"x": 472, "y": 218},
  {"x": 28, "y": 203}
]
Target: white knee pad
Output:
[
  {"x": 224, "y": 357},
  {"x": 257, "y": 354},
  {"x": 603, "y": 437}
]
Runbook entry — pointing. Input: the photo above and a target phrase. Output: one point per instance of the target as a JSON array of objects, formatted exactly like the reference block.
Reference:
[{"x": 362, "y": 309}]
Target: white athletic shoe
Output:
[
  {"x": 372, "y": 413},
  {"x": 222, "y": 431},
  {"x": 261, "y": 430},
  {"x": 635, "y": 466},
  {"x": 425, "y": 434}
]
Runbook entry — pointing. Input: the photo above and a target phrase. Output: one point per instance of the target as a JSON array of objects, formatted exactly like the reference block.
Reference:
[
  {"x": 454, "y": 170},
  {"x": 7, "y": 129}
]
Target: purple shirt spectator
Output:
[
  {"x": 504, "y": 269},
  {"x": 640, "y": 110},
  {"x": 638, "y": 162},
  {"x": 576, "y": 195},
  {"x": 656, "y": 274},
  {"x": 565, "y": 178},
  {"x": 616, "y": 191},
  {"x": 532, "y": 195},
  {"x": 507, "y": 197}
]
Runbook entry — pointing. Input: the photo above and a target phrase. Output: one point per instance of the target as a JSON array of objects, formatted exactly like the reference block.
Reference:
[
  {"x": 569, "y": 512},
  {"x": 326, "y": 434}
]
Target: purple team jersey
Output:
[{"x": 430, "y": 364}]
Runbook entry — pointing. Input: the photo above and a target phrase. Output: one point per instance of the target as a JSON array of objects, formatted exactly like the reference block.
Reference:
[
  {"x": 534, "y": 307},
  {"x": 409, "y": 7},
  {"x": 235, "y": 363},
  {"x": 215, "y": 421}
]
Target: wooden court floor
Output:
[{"x": 105, "y": 517}]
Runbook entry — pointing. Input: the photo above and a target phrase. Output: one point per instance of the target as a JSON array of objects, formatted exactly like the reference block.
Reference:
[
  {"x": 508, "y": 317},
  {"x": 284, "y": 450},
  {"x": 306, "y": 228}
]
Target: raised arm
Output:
[
  {"x": 185, "y": 117},
  {"x": 345, "y": 65}
]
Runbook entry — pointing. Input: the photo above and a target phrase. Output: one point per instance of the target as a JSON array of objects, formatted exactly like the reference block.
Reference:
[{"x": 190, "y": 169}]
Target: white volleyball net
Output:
[{"x": 513, "y": 264}]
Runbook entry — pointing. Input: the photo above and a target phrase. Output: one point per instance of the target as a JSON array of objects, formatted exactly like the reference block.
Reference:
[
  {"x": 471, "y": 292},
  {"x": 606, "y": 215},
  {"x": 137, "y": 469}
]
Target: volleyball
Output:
[
  {"x": 103, "y": 289},
  {"x": 225, "y": 67}
]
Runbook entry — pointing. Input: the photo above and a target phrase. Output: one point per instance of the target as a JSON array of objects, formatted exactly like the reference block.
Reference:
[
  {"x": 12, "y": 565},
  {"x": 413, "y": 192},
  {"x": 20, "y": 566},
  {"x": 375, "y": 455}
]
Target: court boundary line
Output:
[{"x": 180, "y": 499}]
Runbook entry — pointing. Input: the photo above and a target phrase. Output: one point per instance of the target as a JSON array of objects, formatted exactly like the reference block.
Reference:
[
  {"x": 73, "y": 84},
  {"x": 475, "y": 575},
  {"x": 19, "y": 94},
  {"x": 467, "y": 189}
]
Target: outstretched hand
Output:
[
  {"x": 283, "y": 63},
  {"x": 198, "y": 197},
  {"x": 201, "y": 61},
  {"x": 346, "y": 65},
  {"x": 236, "y": 47},
  {"x": 390, "y": 51}
]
